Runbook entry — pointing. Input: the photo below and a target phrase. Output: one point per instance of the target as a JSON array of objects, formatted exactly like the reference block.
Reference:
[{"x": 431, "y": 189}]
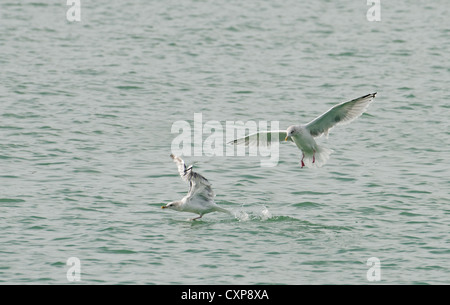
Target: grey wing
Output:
[
  {"x": 340, "y": 114},
  {"x": 261, "y": 138},
  {"x": 198, "y": 185}
]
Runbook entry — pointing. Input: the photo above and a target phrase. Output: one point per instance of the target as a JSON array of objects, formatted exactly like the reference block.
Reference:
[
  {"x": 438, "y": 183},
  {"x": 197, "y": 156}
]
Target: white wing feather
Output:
[
  {"x": 340, "y": 114},
  {"x": 261, "y": 138}
]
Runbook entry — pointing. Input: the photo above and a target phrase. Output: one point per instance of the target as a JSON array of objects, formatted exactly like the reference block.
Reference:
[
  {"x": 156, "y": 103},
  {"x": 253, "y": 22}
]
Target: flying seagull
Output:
[
  {"x": 303, "y": 135},
  {"x": 200, "y": 198}
]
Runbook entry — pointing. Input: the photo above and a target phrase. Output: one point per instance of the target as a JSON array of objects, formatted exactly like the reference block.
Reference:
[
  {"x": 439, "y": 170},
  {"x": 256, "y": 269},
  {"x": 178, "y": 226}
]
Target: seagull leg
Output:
[
  {"x": 314, "y": 156},
  {"x": 197, "y": 217},
  {"x": 303, "y": 156}
]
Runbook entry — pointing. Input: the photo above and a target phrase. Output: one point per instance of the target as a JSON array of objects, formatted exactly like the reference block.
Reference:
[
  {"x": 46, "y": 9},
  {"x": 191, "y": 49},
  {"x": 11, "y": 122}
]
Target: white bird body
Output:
[
  {"x": 198, "y": 206},
  {"x": 303, "y": 139},
  {"x": 200, "y": 198},
  {"x": 312, "y": 153},
  {"x": 303, "y": 135}
]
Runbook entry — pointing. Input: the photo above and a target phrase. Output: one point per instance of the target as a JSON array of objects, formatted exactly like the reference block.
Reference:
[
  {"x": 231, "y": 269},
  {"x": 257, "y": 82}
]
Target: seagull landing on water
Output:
[
  {"x": 303, "y": 135},
  {"x": 200, "y": 198}
]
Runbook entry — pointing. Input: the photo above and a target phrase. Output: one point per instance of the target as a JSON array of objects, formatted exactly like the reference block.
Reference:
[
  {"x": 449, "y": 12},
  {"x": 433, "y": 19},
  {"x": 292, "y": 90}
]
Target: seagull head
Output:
[
  {"x": 292, "y": 130},
  {"x": 175, "y": 205}
]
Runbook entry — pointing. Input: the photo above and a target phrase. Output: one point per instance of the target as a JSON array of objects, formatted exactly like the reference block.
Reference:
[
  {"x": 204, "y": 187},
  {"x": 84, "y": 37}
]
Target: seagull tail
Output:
[
  {"x": 219, "y": 209},
  {"x": 320, "y": 158}
]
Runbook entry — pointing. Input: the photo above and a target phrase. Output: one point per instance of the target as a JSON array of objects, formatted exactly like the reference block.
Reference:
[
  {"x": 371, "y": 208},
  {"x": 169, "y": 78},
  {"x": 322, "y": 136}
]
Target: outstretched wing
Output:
[
  {"x": 261, "y": 138},
  {"x": 340, "y": 114},
  {"x": 198, "y": 185},
  {"x": 182, "y": 170}
]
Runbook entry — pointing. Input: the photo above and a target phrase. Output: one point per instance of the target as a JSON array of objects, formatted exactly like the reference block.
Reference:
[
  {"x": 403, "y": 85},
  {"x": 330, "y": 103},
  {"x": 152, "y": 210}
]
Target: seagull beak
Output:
[
  {"x": 163, "y": 207},
  {"x": 286, "y": 138}
]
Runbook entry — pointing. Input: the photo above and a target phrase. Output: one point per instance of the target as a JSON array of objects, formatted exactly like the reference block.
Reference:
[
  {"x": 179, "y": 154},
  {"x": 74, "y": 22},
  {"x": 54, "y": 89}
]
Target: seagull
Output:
[
  {"x": 200, "y": 198},
  {"x": 303, "y": 135}
]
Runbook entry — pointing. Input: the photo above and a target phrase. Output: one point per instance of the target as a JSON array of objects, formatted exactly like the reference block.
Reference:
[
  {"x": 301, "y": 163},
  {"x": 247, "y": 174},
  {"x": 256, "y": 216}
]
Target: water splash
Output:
[
  {"x": 241, "y": 215},
  {"x": 265, "y": 213},
  {"x": 262, "y": 215}
]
